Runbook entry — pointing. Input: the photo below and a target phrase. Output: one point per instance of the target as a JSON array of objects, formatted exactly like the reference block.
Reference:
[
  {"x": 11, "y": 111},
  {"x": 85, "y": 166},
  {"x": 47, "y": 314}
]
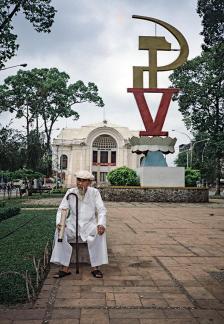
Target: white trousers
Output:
[{"x": 62, "y": 251}]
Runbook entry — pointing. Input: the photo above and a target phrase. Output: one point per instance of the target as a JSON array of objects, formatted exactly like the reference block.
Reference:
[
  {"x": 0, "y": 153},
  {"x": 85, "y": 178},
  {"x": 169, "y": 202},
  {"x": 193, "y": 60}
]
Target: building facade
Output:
[{"x": 99, "y": 148}]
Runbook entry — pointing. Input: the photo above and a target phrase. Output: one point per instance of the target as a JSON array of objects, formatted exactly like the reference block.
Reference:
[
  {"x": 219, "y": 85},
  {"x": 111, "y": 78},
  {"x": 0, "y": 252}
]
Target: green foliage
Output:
[
  {"x": 191, "y": 177},
  {"x": 202, "y": 93},
  {"x": 12, "y": 148},
  {"x": 39, "y": 13},
  {"x": 40, "y": 97},
  {"x": 59, "y": 190},
  {"x": 35, "y": 152},
  {"x": 20, "y": 174},
  {"x": 201, "y": 103},
  {"x": 181, "y": 160},
  {"x": 123, "y": 176},
  {"x": 18, "y": 249},
  {"x": 8, "y": 212},
  {"x": 201, "y": 81},
  {"x": 212, "y": 15}
]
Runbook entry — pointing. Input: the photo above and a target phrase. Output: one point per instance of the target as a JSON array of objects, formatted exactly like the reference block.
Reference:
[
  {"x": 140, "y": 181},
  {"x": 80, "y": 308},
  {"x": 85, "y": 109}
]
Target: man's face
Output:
[{"x": 83, "y": 183}]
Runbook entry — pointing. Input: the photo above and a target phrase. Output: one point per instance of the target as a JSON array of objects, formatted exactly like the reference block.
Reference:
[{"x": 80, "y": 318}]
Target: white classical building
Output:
[{"x": 99, "y": 148}]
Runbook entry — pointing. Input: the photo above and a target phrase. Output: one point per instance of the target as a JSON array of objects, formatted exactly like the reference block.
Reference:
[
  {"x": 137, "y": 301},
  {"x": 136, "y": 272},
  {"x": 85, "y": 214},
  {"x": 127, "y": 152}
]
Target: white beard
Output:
[{"x": 81, "y": 193}]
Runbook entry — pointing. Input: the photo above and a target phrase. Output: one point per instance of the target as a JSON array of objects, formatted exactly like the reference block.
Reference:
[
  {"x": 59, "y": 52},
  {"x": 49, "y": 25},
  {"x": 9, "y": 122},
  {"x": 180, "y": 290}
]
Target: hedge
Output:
[
  {"x": 8, "y": 212},
  {"x": 25, "y": 247}
]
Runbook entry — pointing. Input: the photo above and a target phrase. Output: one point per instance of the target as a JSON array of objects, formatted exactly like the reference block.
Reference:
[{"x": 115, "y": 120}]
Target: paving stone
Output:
[
  {"x": 63, "y": 313},
  {"x": 92, "y": 295},
  {"x": 210, "y": 304},
  {"x": 110, "y": 296},
  {"x": 22, "y": 314},
  {"x": 65, "y": 321},
  {"x": 41, "y": 303},
  {"x": 221, "y": 313},
  {"x": 199, "y": 293},
  {"x": 135, "y": 313},
  {"x": 93, "y": 321},
  {"x": 79, "y": 302},
  {"x": 127, "y": 299},
  {"x": 94, "y": 316},
  {"x": 177, "y": 313},
  {"x": 168, "y": 321},
  {"x": 208, "y": 316},
  {"x": 136, "y": 289},
  {"x": 151, "y": 302},
  {"x": 27, "y": 322},
  {"x": 68, "y": 294},
  {"x": 124, "y": 321},
  {"x": 101, "y": 289},
  {"x": 110, "y": 303}
]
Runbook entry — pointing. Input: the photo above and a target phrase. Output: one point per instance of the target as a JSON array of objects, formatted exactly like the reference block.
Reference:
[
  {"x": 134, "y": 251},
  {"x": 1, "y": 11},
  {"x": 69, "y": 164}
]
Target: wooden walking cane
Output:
[{"x": 76, "y": 231}]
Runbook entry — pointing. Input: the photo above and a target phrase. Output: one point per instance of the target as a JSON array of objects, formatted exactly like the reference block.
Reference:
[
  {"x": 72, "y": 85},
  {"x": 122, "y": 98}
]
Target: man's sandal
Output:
[
  {"x": 61, "y": 274},
  {"x": 97, "y": 273}
]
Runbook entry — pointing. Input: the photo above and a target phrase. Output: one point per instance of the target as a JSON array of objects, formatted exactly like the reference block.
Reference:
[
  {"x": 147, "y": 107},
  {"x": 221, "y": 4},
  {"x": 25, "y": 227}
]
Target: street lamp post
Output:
[
  {"x": 10, "y": 67},
  {"x": 203, "y": 140},
  {"x": 174, "y": 130}
]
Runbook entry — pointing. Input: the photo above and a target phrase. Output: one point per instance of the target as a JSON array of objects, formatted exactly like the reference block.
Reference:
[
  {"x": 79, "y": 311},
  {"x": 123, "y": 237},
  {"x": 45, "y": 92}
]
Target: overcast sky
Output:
[{"x": 97, "y": 41}]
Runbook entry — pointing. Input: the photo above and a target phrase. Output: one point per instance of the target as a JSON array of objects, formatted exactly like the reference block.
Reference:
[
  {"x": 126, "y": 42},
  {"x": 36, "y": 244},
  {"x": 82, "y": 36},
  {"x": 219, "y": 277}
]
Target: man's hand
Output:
[
  {"x": 59, "y": 227},
  {"x": 100, "y": 229}
]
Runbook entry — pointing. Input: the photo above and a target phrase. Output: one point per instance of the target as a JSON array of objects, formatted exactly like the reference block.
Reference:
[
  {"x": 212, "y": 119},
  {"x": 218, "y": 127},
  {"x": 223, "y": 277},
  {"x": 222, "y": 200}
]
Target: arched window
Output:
[
  {"x": 63, "y": 162},
  {"x": 104, "y": 142},
  {"x": 104, "y": 150}
]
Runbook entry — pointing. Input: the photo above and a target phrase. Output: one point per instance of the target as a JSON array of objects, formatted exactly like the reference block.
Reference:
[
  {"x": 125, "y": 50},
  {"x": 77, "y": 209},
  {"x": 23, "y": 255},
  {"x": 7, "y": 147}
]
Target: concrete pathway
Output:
[{"x": 166, "y": 266}]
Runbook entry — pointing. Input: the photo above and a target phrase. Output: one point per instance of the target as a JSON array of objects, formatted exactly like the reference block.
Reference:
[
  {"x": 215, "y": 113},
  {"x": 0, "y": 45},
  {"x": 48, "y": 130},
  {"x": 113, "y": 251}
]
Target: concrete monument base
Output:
[{"x": 161, "y": 176}]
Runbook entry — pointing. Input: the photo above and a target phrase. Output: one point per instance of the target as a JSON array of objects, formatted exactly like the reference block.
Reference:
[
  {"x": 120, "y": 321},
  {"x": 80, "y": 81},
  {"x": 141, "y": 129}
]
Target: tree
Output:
[
  {"x": 212, "y": 15},
  {"x": 202, "y": 81},
  {"x": 201, "y": 101},
  {"x": 12, "y": 147},
  {"x": 39, "y": 13},
  {"x": 181, "y": 160},
  {"x": 36, "y": 152},
  {"x": 41, "y": 96}
]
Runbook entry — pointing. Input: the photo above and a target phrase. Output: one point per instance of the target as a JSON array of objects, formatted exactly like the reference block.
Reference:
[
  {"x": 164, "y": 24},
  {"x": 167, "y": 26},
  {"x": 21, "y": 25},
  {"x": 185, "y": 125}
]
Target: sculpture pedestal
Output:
[{"x": 161, "y": 176}]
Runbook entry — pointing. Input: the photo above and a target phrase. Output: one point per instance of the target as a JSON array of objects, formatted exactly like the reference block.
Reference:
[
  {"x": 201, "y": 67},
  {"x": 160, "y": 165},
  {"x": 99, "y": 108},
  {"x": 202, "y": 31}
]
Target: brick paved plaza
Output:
[{"x": 166, "y": 266}]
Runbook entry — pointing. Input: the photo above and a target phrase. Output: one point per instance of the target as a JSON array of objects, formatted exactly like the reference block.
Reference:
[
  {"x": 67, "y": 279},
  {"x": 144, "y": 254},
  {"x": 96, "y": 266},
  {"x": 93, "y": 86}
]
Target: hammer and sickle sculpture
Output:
[{"x": 153, "y": 44}]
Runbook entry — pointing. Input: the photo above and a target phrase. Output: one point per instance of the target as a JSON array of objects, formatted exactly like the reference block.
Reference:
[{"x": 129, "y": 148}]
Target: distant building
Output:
[
  {"x": 99, "y": 148},
  {"x": 184, "y": 147}
]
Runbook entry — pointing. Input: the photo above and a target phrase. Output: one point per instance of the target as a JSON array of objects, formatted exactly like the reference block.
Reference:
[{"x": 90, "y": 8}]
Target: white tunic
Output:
[{"x": 87, "y": 226}]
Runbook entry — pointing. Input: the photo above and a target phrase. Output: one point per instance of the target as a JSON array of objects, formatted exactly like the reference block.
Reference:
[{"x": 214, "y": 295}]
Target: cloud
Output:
[{"x": 98, "y": 41}]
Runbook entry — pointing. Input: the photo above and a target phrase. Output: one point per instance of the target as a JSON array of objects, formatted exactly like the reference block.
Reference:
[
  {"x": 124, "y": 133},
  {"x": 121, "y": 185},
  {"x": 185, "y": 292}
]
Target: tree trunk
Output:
[{"x": 218, "y": 176}]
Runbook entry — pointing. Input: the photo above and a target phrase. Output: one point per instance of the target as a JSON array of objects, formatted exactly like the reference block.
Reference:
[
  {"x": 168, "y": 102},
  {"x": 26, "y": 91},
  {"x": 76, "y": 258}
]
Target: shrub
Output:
[
  {"x": 123, "y": 176},
  {"x": 8, "y": 212},
  {"x": 191, "y": 177},
  {"x": 59, "y": 190}
]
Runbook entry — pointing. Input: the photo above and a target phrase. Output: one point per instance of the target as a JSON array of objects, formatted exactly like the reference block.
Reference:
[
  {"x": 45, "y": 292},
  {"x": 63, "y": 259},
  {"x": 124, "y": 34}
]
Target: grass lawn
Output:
[
  {"x": 34, "y": 201},
  {"x": 23, "y": 238}
]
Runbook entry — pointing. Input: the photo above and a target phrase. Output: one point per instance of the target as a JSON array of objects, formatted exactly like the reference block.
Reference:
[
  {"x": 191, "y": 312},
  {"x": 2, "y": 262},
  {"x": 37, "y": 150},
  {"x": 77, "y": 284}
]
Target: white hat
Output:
[{"x": 84, "y": 174}]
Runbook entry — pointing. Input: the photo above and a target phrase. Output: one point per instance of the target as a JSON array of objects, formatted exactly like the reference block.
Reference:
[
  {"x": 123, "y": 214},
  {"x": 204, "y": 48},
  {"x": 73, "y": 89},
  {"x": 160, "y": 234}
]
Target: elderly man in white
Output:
[{"x": 90, "y": 227}]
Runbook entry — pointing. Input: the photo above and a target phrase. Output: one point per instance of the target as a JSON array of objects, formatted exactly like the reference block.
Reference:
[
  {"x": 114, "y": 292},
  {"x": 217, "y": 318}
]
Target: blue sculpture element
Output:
[{"x": 154, "y": 159}]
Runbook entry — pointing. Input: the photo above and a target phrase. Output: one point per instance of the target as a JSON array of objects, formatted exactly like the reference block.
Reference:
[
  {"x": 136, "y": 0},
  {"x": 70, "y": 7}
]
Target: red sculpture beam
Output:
[{"x": 153, "y": 128}]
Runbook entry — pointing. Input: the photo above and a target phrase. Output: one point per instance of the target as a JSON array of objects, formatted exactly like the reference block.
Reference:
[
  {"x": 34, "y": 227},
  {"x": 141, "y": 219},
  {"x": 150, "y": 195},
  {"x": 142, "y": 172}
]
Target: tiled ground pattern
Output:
[{"x": 166, "y": 266}]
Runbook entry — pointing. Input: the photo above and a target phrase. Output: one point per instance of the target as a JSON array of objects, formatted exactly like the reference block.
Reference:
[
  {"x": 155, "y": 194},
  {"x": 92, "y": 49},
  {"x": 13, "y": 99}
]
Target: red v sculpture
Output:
[{"x": 153, "y": 128}]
